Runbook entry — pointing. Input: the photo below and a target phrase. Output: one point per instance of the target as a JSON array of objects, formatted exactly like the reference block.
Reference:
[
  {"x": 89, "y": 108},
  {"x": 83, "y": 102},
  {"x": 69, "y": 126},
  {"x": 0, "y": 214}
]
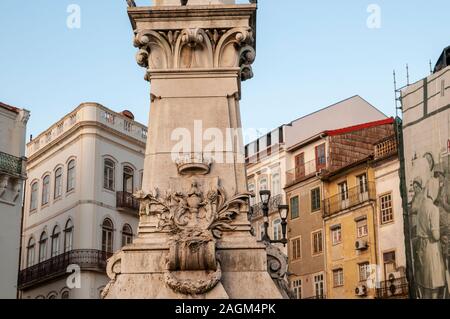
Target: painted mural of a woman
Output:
[{"x": 430, "y": 269}]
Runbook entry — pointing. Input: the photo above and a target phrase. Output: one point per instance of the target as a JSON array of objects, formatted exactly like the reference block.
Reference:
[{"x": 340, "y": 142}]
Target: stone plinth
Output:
[{"x": 194, "y": 236}]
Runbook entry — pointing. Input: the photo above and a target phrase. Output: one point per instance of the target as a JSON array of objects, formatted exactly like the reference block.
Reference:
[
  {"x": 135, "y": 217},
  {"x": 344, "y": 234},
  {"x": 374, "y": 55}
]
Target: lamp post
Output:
[{"x": 282, "y": 210}]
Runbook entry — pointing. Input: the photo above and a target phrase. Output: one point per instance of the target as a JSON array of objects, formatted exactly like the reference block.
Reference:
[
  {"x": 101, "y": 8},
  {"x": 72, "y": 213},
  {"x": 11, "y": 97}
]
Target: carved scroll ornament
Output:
[
  {"x": 196, "y": 48},
  {"x": 195, "y": 221}
]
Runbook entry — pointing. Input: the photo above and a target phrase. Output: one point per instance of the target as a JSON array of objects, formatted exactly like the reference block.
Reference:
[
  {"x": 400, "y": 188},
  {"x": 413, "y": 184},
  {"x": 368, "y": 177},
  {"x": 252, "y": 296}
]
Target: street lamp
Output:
[{"x": 282, "y": 210}]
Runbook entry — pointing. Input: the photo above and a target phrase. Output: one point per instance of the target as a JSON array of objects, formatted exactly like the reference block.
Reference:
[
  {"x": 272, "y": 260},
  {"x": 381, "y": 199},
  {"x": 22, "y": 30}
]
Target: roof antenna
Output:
[
  {"x": 395, "y": 94},
  {"x": 431, "y": 67},
  {"x": 407, "y": 74}
]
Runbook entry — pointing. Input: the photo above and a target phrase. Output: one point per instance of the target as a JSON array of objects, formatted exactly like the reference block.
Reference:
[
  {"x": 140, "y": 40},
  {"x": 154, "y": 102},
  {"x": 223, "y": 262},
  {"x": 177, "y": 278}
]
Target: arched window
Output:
[
  {"x": 127, "y": 235},
  {"x": 65, "y": 295},
  {"x": 128, "y": 179},
  {"x": 276, "y": 184},
  {"x": 34, "y": 196},
  {"x": 107, "y": 235},
  {"x": 251, "y": 189},
  {"x": 30, "y": 252},
  {"x": 55, "y": 241},
  {"x": 71, "y": 176},
  {"x": 46, "y": 190},
  {"x": 109, "y": 174},
  {"x": 58, "y": 183},
  {"x": 262, "y": 185},
  {"x": 43, "y": 247},
  {"x": 68, "y": 236}
]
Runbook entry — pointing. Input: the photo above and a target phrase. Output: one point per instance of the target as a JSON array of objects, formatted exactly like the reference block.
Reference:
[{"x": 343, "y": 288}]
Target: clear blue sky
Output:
[{"x": 310, "y": 54}]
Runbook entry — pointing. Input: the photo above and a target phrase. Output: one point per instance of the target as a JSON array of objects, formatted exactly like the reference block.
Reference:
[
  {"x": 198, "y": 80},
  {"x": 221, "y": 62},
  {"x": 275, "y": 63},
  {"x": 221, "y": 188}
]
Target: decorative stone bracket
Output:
[
  {"x": 196, "y": 48},
  {"x": 10, "y": 188}
]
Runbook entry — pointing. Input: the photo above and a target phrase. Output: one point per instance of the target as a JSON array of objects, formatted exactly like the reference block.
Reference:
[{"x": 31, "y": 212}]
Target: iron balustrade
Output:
[
  {"x": 393, "y": 289},
  {"x": 86, "y": 259},
  {"x": 354, "y": 196},
  {"x": 256, "y": 210},
  {"x": 11, "y": 164},
  {"x": 126, "y": 200}
]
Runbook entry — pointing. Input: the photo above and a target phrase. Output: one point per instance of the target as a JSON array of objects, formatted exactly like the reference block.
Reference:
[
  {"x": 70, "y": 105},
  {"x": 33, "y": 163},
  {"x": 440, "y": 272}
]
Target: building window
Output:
[
  {"x": 68, "y": 236},
  {"x": 251, "y": 189},
  {"x": 294, "y": 207},
  {"x": 297, "y": 288},
  {"x": 58, "y": 183},
  {"x": 319, "y": 286},
  {"x": 30, "y": 252},
  {"x": 361, "y": 228},
  {"x": 315, "y": 199},
  {"x": 46, "y": 190},
  {"x": 362, "y": 183},
  {"x": 277, "y": 231},
  {"x": 296, "y": 248},
  {"x": 343, "y": 191},
  {"x": 390, "y": 265},
  {"x": 55, "y": 241},
  {"x": 52, "y": 296},
  {"x": 387, "y": 214},
  {"x": 71, "y": 176},
  {"x": 276, "y": 184},
  {"x": 107, "y": 236},
  {"x": 34, "y": 196},
  {"x": 128, "y": 180},
  {"x": 336, "y": 235},
  {"x": 317, "y": 242},
  {"x": 263, "y": 184},
  {"x": 43, "y": 247},
  {"x": 321, "y": 161},
  {"x": 338, "y": 277},
  {"x": 364, "y": 271},
  {"x": 65, "y": 295},
  {"x": 108, "y": 175},
  {"x": 127, "y": 235}
]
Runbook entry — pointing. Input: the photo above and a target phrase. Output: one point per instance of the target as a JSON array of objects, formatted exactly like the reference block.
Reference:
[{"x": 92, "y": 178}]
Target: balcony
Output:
[
  {"x": 56, "y": 267},
  {"x": 353, "y": 197},
  {"x": 304, "y": 171},
  {"x": 126, "y": 202},
  {"x": 256, "y": 210},
  {"x": 316, "y": 297},
  {"x": 393, "y": 289},
  {"x": 12, "y": 165},
  {"x": 386, "y": 147}
]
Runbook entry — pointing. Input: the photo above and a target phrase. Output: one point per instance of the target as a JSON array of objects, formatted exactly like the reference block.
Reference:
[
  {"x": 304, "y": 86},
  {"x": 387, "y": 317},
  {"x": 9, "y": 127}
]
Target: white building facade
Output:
[
  {"x": 13, "y": 123},
  {"x": 79, "y": 208}
]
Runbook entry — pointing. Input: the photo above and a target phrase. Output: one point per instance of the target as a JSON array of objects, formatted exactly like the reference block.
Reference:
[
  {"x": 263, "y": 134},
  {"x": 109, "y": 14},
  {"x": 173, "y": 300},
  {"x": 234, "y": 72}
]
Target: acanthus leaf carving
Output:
[
  {"x": 195, "y": 220},
  {"x": 197, "y": 48}
]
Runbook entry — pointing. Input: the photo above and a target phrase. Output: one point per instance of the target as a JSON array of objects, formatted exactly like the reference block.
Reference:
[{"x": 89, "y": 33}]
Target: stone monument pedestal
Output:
[{"x": 194, "y": 237}]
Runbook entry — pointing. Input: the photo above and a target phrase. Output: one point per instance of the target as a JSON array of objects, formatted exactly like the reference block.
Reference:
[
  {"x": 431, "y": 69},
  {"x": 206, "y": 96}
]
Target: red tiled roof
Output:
[
  {"x": 359, "y": 127},
  {"x": 9, "y": 107}
]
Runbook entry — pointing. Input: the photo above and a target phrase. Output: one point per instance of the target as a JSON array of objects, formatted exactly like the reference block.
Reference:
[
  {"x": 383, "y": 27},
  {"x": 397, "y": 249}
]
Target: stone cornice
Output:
[
  {"x": 75, "y": 129},
  {"x": 189, "y": 13}
]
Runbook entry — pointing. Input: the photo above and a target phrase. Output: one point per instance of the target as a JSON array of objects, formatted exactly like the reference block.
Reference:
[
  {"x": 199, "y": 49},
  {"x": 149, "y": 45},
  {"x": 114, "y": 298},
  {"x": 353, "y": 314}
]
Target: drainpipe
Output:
[{"x": 19, "y": 292}]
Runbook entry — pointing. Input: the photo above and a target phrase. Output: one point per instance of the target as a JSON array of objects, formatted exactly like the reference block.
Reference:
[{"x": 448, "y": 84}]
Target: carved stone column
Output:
[{"x": 194, "y": 237}]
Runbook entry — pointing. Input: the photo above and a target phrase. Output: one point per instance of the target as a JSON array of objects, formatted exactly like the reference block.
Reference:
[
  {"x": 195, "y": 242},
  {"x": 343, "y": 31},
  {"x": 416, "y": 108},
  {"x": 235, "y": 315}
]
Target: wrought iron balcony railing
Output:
[
  {"x": 126, "y": 201},
  {"x": 86, "y": 259},
  {"x": 393, "y": 289},
  {"x": 354, "y": 196},
  {"x": 256, "y": 210},
  {"x": 12, "y": 165},
  {"x": 316, "y": 297},
  {"x": 306, "y": 170}
]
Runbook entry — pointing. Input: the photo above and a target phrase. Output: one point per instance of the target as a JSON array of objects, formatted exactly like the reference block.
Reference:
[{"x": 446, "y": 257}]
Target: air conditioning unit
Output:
[
  {"x": 361, "y": 291},
  {"x": 361, "y": 244}
]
